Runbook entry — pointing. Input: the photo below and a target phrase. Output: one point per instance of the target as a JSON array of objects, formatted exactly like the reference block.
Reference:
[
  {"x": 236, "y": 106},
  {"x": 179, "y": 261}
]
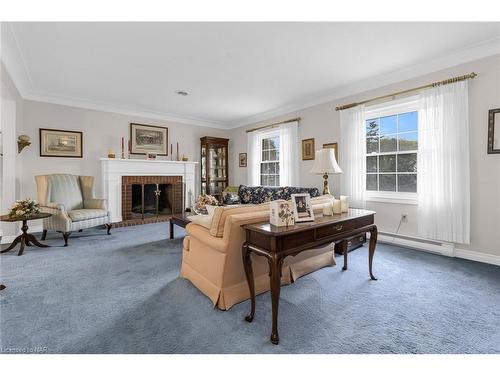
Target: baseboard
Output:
[
  {"x": 446, "y": 249},
  {"x": 478, "y": 257}
]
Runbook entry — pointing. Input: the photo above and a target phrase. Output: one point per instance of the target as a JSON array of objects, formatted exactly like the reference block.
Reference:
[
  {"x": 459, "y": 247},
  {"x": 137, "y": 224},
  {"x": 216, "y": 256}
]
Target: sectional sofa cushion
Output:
[{"x": 262, "y": 194}]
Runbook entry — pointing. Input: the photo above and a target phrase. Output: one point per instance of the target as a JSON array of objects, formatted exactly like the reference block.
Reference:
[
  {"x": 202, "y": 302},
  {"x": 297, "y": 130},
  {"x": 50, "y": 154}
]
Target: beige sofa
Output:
[{"x": 211, "y": 258}]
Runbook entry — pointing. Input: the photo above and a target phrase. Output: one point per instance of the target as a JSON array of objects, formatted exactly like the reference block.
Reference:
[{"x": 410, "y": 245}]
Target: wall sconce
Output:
[{"x": 22, "y": 142}]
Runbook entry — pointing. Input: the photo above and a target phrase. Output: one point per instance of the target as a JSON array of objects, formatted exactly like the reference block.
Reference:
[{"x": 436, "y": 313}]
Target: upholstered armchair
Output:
[{"x": 70, "y": 200}]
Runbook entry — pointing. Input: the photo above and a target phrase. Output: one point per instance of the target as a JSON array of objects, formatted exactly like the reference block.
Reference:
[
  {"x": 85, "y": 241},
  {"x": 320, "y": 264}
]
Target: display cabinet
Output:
[{"x": 214, "y": 163}]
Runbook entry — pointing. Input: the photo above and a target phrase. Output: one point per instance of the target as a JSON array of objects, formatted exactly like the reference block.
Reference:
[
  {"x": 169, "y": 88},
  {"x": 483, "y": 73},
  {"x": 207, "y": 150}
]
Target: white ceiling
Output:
[{"x": 236, "y": 73}]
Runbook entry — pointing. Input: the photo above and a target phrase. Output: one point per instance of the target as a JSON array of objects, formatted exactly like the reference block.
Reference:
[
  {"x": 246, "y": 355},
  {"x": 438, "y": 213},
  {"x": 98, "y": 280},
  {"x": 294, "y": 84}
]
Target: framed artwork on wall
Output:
[
  {"x": 308, "y": 149},
  {"x": 61, "y": 143},
  {"x": 243, "y": 159},
  {"x": 148, "y": 139},
  {"x": 335, "y": 147},
  {"x": 494, "y": 131}
]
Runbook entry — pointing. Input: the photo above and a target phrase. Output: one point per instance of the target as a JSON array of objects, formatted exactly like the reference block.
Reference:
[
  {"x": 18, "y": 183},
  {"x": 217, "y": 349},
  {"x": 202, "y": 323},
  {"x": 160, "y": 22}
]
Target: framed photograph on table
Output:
[
  {"x": 148, "y": 139},
  {"x": 302, "y": 210},
  {"x": 61, "y": 143}
]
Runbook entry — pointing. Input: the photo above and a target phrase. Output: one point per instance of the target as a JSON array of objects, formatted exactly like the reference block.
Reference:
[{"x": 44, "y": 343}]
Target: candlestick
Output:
[
  {"x": 129, "y": 147},
  {"x": 123, "y": 149},
  {"x": 171, "y": 151},
  {"x": 344, "y": 203},
  {"x": 177, "y": 151},
  {"x": 336, "y": 206}
]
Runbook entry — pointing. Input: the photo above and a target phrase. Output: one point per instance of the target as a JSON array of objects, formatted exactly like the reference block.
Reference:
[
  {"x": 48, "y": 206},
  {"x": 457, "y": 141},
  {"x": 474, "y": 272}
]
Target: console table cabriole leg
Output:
[
  {"x": 247, "y": 264},
  {"x": 275, "y": 264},
  {"x": 344, "y": 252},
  {"x": 371, "y": 249}
]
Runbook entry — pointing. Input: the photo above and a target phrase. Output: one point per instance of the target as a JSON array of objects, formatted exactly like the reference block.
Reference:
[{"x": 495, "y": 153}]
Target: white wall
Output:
[
  {"x": 101, "y": 131},
  {"x": 322, "y": 123},
  {"x": 11, "y": 121}
]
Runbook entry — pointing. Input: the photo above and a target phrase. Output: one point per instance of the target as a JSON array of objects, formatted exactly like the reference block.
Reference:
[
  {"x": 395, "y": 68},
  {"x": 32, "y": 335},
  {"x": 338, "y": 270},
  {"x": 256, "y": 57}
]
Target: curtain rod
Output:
[
  {"x": 276, "y": 123},
  {"x": 434, "y": 84}
]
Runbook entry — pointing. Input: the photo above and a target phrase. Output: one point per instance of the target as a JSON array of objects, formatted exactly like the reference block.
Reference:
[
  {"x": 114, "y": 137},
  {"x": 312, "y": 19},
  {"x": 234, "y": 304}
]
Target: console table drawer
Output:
[{"x": 333, "y": 230}]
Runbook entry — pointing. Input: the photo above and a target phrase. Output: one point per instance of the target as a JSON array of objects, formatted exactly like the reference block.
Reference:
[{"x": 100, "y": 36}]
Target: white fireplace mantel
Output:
[{"x": 114, "y": 169}]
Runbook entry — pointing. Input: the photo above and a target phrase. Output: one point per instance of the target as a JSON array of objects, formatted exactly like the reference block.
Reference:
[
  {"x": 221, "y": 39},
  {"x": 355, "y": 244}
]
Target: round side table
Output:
[{"x": 25, "y": 238}]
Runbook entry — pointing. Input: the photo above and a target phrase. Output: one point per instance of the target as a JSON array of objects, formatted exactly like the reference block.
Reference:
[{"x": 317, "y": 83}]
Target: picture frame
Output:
[
  {"x": 243, "y": 159},
  {"x": 335, "y": 147},
  {"x": 60, "y": 143},
  {"x": 302, "y": 209},
  {"x": 148, "y": 139},
  {"x": 494, "y": 131},
  {"x": 308, "y": 151}
]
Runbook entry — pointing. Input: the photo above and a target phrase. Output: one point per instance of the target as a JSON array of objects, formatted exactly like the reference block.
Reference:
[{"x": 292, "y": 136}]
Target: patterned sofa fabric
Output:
[{"x": 262, "y": 194}]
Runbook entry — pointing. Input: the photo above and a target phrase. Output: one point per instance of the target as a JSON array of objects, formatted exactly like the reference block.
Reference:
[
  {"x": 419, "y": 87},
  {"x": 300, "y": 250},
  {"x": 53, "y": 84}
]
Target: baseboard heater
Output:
[{"x": 443, "y": 248}]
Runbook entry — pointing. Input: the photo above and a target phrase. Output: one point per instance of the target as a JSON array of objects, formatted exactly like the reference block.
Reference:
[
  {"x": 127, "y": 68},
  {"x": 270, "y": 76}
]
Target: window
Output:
[
  {"x": 269, "y": 162},
  {"x": 391, "y": 151}
]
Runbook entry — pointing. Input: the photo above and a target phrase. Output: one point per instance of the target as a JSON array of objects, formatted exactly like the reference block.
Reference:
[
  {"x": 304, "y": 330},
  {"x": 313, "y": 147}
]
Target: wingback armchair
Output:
[{"x": 70, "y": 200}]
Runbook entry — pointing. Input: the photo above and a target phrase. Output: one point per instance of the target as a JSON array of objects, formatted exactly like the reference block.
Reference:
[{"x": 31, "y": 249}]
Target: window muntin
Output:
[
  {"x": 269, "y": 164},
  {"x": 391, "y": 152}
]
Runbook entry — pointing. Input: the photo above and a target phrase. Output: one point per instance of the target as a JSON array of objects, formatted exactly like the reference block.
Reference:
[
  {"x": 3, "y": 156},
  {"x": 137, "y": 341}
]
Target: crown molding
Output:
[
  {"x": 105, "y": 107},
  {"x": 14, "y": 62},
  {"x": 461, "y": 56}
]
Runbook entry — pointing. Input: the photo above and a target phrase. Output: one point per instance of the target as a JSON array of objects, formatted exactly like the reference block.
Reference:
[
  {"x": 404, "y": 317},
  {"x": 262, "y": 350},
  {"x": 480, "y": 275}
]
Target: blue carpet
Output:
[{"x": 122, "y": 294}]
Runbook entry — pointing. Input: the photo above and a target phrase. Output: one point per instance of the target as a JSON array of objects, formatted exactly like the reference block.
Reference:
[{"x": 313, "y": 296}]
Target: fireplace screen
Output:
[
  {"x": 151, "y": 197},
  {"x": 151, "y": 200}
]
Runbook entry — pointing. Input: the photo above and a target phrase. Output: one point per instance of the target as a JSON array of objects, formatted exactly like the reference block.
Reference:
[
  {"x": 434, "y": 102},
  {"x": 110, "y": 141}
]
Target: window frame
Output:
[
  {"x": 410, "y": 104},
  {"x": 270, "y": 134}
]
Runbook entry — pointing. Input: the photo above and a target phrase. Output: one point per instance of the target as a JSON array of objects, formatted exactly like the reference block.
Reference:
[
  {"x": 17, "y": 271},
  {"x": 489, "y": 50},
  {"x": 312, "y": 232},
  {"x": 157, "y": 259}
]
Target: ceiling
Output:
[{"x": 235, "y": 73}]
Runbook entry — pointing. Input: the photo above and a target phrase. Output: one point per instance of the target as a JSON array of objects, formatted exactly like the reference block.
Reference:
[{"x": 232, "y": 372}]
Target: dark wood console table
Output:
[{"x": 276, "y": 243}]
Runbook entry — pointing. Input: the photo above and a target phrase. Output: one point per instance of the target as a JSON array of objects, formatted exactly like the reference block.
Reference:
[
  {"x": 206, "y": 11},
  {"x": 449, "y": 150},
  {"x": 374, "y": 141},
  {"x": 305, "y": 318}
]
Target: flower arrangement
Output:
[
  {"x": 285, "y": 214},
  {"x": 202, "y": 201},
  {"x": 25, "y": 207}
]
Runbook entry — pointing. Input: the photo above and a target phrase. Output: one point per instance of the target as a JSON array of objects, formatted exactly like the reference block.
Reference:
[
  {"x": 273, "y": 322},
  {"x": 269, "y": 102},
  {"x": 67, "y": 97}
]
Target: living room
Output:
[{"x": 247, "y": 188}]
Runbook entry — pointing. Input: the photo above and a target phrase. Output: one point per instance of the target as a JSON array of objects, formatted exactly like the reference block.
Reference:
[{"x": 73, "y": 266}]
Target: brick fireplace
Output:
[
  {"x": 174, "y": 181},
  {"x": 150, "y": 199}
]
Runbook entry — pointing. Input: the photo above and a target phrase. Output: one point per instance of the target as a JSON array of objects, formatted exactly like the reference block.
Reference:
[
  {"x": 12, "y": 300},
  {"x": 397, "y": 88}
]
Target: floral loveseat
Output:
[{"x": 263, "y": 194}]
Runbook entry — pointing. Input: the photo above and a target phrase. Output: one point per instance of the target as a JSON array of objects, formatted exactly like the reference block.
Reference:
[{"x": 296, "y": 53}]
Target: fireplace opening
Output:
[
  {"x": 147, "y": 199},
  {"x": 152, "y": 200}
]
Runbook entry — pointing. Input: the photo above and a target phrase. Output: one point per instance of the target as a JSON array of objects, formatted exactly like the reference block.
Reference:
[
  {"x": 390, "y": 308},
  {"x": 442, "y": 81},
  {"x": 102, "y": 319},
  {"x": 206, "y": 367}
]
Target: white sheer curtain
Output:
[
  {"x": 352, "y": 158},
  {"x": 443, "y": 181},
  {"x": 253, "y": 158},
  {"x": 289, "y": 159}
]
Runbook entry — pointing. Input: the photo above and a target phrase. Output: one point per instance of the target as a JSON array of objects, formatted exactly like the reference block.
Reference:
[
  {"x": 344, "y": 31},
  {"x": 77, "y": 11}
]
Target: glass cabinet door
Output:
[{"x": 214, "y": 155}]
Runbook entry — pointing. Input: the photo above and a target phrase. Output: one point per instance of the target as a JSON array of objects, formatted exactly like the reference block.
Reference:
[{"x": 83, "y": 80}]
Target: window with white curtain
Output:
[
  {"x": 270, "y": 160},
  {"x": 273, "y": 156},
  {"x": 391, "y": 150}
]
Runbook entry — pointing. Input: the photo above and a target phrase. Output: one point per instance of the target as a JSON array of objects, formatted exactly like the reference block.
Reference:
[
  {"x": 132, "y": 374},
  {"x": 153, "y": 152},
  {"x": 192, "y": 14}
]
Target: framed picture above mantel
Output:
[
  {"x": 148, "y": 139},
  {"x": 61, "y": 143}
]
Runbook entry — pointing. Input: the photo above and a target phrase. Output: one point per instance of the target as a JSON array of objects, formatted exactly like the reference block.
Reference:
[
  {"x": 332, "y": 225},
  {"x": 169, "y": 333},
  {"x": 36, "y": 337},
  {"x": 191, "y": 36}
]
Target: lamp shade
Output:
[{"x": 325, "y": 162}]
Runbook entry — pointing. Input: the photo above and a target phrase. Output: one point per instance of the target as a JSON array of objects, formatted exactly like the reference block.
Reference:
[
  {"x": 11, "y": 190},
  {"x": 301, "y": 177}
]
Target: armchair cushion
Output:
[
  {"x": 86, "y": 214},
  {"x": 65, "y": 189}
]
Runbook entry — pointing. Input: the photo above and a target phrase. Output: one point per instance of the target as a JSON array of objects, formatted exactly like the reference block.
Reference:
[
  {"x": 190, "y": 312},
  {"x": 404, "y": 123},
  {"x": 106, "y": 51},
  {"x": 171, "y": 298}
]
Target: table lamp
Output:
[{"x": 325, "y": 164}]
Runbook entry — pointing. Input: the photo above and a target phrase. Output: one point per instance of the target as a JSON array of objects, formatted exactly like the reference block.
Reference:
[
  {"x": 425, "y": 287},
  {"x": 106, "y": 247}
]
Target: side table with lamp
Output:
[{"x": 325, "y": 164}]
